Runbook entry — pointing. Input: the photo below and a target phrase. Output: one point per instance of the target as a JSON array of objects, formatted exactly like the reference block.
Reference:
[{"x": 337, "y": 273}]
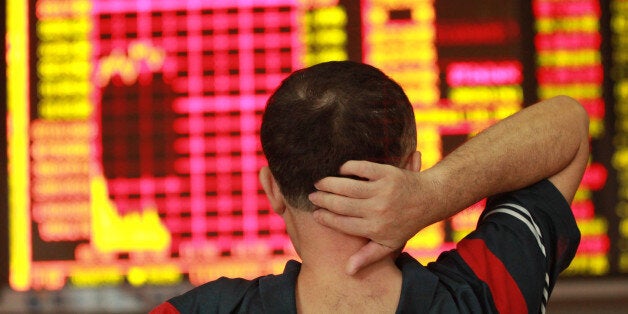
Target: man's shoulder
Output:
[
  {"x": 221, "y": 295},
  {"x": 512, "y": 259},
  {"x": 441, "y": 287},
  {"x": 239, "y": 295},
  {"x": 227, "y": 286}
]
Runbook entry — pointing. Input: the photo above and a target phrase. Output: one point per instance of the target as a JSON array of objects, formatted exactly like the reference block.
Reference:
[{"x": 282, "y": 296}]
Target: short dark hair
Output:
[{"x": 322, "y": 116}]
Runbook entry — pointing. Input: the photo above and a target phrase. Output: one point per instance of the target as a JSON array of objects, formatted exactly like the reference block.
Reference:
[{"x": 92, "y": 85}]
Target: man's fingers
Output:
[
  {"x": 367, "y": 255},
  {"x": 350, "y": 225},
  {"x": 351, "y": 187},
  {"x": 345, "y": 186},
  {"x": 363, "y": 169},
  {"x": 339, "y": 204}
]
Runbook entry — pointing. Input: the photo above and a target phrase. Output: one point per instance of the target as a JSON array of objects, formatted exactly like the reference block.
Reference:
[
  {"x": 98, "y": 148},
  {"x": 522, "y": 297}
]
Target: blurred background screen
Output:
[{"x": 132, "y": 127}]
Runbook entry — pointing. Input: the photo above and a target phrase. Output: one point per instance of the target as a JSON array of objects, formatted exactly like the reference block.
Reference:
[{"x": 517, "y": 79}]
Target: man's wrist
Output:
[{"x": 432, "y": 195}]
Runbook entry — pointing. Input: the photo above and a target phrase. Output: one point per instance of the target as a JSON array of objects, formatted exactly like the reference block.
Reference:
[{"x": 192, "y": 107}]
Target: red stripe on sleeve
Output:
[
  {"x": 490, "y": 269},
  {"x": 165, "y": 308}
]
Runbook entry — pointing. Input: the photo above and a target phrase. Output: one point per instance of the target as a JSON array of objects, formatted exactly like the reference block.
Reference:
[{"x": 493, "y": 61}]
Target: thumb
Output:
[{"x": 367, "y": 255}]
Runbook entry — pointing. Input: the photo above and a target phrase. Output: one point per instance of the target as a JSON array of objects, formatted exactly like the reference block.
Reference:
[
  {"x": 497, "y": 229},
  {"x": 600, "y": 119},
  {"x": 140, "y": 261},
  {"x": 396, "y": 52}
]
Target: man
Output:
[{"x": 328, "y": 114}]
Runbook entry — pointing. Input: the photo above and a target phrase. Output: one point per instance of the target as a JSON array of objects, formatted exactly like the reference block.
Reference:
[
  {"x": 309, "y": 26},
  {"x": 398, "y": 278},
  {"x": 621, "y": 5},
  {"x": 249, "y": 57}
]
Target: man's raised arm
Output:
[{"x": 546, "y": 140}]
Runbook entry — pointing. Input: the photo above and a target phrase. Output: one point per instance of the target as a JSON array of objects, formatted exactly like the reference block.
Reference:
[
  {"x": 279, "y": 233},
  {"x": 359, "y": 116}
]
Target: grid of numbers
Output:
[{"x": 183, "y": 135}]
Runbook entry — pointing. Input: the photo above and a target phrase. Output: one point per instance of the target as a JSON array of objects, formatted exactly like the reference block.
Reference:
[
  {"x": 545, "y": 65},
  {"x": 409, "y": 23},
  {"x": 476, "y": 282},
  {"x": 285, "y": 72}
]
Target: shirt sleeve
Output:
[{"x": 523, "y": 240}]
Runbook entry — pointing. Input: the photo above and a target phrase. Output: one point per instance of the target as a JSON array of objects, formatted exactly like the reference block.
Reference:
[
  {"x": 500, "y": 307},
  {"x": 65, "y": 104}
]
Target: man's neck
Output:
[{"x": 323, "y": 283}]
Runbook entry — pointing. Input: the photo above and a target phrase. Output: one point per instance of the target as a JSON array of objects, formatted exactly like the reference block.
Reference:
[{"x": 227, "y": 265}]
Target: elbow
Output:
[{"x": 576, "y": 113}]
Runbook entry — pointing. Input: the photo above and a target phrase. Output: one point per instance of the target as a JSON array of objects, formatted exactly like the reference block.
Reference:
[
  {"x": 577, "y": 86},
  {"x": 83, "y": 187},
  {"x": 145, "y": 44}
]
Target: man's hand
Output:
[
  {"x": 377, "y": 209},
  {"x": 546, "y": 140}
]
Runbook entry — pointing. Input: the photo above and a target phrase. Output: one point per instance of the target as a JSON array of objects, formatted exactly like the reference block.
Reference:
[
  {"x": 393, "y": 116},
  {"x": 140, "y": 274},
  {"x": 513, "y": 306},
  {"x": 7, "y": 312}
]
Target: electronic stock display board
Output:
[{"x": 133, "y": 125}]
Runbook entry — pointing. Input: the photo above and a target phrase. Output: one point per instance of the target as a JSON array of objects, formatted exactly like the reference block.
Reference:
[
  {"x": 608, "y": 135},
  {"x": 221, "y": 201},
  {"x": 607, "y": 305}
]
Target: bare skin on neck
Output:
[{"x": 323, "y": 285}]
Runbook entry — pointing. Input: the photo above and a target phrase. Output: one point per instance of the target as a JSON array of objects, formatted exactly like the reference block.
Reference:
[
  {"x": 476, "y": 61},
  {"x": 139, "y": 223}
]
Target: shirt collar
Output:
[{"x": 418, "y": 287}]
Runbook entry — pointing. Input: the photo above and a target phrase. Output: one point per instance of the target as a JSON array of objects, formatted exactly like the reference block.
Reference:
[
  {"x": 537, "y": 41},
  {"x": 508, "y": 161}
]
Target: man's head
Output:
[{"x": 322, "y": 116}]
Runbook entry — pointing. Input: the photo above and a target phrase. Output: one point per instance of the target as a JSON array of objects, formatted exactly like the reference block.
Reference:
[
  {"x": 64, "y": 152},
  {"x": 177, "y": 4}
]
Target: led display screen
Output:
[{"x": 133, "y": 126}]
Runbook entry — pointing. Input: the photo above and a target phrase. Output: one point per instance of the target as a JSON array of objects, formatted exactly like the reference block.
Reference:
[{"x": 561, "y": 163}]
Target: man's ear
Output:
[
  {"x": 272, "y": 190},
  {"x": 414, "y": 162}
]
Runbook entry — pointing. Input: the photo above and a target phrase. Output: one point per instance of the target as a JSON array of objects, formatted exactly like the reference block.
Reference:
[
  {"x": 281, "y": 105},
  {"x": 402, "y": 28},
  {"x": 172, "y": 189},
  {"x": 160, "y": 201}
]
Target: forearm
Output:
[{"x": 535, "y": 143}]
